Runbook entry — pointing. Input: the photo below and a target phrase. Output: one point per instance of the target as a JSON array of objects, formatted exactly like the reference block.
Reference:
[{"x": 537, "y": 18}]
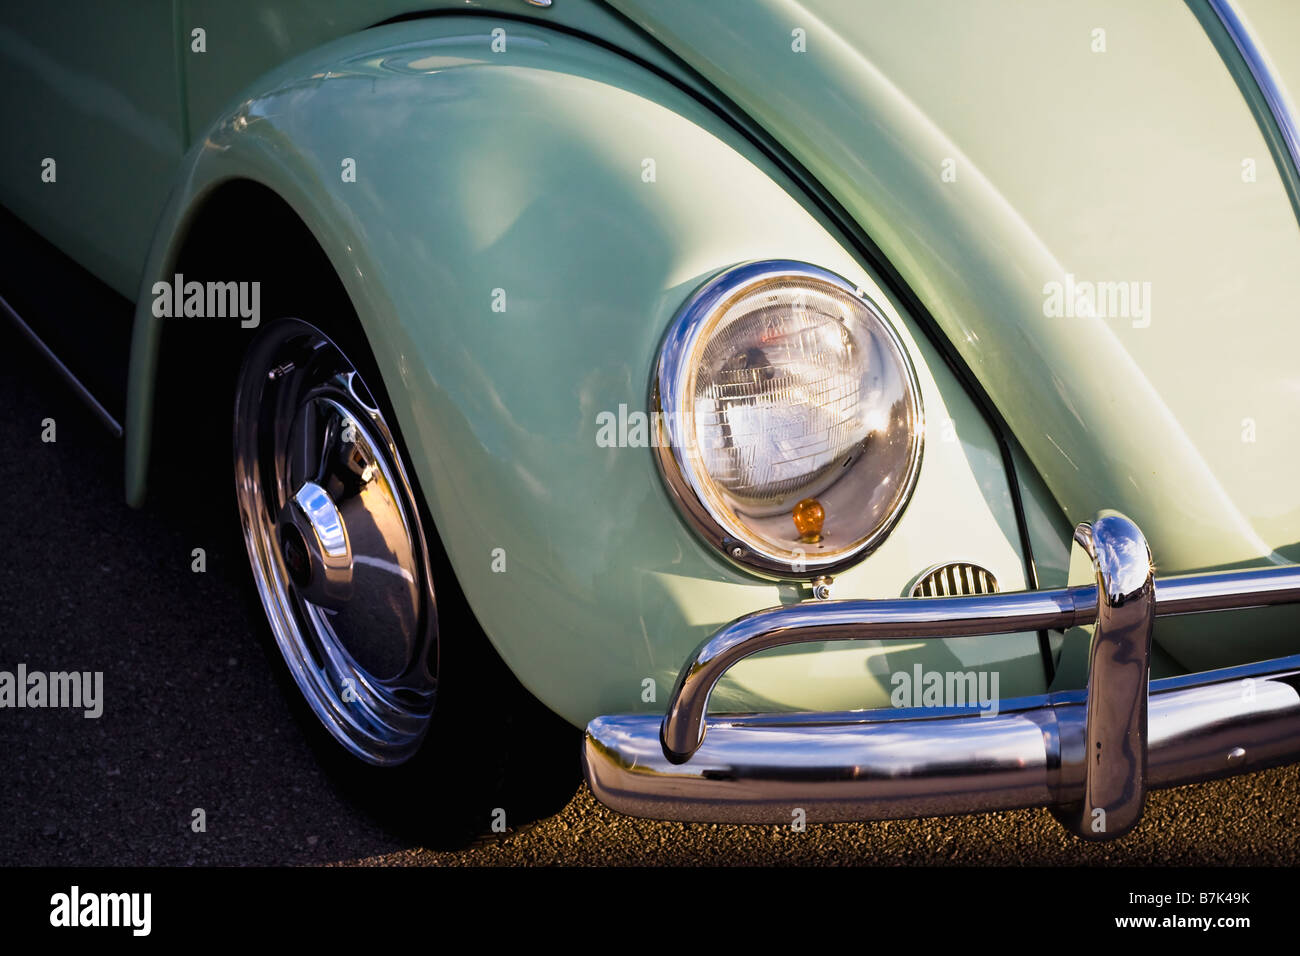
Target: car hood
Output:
[{"x": 1011, "y": 159}]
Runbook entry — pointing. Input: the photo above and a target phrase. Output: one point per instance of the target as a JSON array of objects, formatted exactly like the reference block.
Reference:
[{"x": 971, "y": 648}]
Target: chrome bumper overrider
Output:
[{"x": 1090, "y": 755}]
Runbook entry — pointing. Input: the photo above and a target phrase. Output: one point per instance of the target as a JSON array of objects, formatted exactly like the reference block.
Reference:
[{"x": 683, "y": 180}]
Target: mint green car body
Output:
[{"x": 514, "y": 260}]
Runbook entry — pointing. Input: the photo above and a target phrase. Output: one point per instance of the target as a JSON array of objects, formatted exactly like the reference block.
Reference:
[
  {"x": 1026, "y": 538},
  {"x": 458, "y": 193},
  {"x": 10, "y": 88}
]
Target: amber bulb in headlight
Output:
[
  {"x": 791, "y": 391},
  {"x": 808, "y": 517}
]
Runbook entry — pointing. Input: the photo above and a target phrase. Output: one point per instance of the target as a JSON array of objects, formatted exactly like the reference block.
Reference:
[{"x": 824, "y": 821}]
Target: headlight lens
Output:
[{"x": 790, "y": 418}]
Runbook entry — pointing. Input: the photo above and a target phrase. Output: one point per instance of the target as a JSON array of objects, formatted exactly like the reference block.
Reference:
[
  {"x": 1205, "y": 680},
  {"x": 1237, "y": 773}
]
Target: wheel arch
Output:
[{"x": 188, "y": 357}]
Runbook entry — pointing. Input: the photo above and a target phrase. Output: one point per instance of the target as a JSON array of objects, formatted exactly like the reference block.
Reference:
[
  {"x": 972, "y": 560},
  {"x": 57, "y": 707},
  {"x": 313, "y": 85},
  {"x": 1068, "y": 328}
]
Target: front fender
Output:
[{"x": 522, "y": 228}]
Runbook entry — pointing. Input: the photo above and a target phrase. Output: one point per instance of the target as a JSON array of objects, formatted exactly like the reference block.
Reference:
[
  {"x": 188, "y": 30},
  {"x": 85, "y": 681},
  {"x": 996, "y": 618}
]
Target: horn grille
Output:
[{"x": 955, "y": 580}]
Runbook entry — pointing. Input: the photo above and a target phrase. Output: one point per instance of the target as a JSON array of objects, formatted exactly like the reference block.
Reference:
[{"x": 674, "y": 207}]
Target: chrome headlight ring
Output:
[{"x": 788, "y": 419}]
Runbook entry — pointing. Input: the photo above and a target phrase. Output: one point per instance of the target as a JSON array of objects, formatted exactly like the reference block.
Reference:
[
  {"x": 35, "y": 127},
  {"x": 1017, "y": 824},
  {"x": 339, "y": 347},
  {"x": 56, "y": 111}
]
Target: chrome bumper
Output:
[{"x": 1089, "y": 755}]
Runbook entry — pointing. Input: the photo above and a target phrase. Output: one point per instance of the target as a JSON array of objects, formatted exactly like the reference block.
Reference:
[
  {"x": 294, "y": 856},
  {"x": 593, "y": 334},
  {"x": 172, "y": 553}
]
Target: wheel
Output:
[
  {"x": 416, "y": 720},
  {"x": 336, "y": 543}
]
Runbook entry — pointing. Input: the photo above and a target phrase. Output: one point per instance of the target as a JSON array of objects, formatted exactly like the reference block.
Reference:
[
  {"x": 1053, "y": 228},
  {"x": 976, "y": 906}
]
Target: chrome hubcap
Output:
[
  {"x": 335, "y": 541},
  {"x": 314, "y": 544}
]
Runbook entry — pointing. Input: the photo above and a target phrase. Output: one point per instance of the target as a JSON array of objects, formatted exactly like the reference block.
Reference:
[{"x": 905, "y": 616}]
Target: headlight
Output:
[{"x": 789, "y": 418}]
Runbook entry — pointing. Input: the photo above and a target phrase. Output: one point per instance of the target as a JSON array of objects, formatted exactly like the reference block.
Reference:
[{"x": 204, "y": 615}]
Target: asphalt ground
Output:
[{"x": 194, "y": 719}]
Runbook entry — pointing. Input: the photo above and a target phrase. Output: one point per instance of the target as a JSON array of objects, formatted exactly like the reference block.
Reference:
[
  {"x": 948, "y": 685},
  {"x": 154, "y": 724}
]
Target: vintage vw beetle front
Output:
[
  {"x": 1094, "y": 327},
  {"x": 952, "y": 367}
]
